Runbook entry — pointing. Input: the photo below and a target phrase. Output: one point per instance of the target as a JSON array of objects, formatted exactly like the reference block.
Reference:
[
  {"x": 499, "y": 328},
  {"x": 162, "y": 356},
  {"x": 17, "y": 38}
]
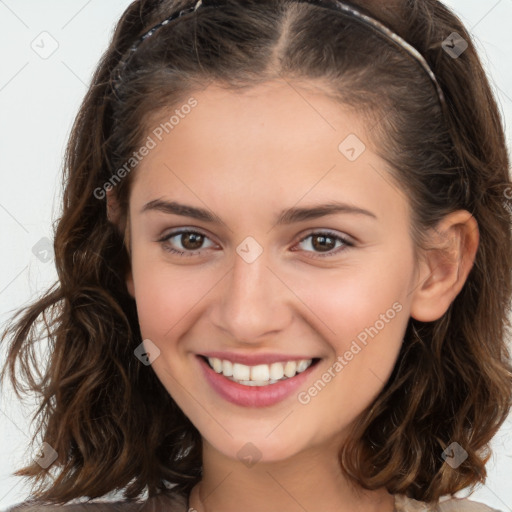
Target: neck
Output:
[{"x": 307, "y": 481}]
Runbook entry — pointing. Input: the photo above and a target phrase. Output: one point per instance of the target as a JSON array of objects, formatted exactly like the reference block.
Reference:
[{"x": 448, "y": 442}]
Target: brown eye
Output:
[
  {"x": 192, "y": 241},
  {"x": 325, "y": 244},
  {"x": 186, "y": 242}
]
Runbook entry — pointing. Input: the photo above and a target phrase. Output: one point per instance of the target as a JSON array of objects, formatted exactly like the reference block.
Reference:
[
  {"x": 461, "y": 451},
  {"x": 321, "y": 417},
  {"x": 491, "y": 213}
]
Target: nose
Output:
[{"x": 252, "y": 303}]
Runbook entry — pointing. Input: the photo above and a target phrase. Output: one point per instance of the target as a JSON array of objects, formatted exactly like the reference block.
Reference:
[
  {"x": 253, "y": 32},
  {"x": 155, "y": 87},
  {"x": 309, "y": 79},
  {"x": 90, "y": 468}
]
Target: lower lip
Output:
[{"x": 253, "y": 396}]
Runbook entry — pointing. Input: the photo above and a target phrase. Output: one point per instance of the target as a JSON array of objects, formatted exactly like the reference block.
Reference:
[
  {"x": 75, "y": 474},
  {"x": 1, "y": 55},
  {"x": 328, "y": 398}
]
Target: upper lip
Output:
[{"x": 255, "y": 359}]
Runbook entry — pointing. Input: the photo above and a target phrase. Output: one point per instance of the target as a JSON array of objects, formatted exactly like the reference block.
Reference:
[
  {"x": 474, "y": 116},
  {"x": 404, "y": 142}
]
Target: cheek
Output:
[
  {"x": 348, "y": 301},
  {"x": 165, "y": 301},
  {"x": 165, "y": 295},
  {"x": 362, "y": 313}
]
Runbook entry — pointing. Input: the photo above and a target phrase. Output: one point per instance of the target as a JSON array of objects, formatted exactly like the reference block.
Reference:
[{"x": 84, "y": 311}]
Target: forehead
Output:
[
  {"x": 272, "y": 144},
  {"x": 272, "y": 123}
]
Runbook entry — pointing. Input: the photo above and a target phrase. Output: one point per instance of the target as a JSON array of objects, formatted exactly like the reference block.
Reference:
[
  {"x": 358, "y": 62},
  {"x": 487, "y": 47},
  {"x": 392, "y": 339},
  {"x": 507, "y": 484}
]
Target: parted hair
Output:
[{"x": 108, "y": 417}]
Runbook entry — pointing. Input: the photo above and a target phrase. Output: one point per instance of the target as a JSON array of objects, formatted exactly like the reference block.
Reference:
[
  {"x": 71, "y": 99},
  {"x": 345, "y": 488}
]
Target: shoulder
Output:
[
  {"x": 162, "y": 503},
  {"x": 405, "y": 504},
  {"x": 464, "y": 505}
]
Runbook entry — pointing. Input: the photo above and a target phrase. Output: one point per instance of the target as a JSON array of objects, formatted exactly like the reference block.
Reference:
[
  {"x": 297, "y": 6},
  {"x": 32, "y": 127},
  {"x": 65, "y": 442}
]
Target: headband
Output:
[{"x": 343, "y": 8}]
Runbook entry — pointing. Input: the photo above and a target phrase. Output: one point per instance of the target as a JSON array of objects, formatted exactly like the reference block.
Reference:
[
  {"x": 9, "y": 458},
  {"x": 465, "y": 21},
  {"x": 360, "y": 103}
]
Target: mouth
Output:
[
  {"x": 271, "y": 381},
  {"x": 259, "y": 375}
]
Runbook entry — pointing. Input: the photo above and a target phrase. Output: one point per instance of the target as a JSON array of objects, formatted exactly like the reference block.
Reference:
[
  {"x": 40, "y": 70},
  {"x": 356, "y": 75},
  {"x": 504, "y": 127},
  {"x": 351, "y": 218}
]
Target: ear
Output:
[
  {"x": 123, "y": 227},
  {"x": 445, "y": 266},
  {"x": 114, "y": 211},
  {"x": 129, "y": 282}
]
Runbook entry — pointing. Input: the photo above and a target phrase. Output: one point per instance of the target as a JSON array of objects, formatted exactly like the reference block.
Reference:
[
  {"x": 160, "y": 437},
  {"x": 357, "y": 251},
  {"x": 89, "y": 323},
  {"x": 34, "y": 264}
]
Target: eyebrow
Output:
[{"x": 285, "y": 217}]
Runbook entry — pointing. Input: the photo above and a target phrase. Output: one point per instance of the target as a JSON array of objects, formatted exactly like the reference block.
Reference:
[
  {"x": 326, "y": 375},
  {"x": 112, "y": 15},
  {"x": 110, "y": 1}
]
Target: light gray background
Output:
[{"x": 39, "y": 98}]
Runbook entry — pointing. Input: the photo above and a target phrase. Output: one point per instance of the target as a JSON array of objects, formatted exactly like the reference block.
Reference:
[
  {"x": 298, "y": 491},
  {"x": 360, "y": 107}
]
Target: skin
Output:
[{"x": 245, "y": 157}]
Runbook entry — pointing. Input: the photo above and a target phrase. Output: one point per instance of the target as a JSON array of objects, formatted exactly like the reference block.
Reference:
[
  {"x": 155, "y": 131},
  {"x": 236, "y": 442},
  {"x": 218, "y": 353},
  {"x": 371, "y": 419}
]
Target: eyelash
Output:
[{"x": 346, "y": 243}]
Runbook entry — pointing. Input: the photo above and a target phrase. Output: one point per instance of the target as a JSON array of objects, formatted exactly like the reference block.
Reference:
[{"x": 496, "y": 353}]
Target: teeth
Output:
[
  {"x": 256, "y": 382},
  {"x": 290, "y": 368},
  {"x": 302, "y": 365},
  {"x": 276, "y": 371},
  {"x": 217, "y": 365},
  {"x": 227, "y": 368},
  {"x": 261, "y": 374},
  {"x": 241, "y": 372}
]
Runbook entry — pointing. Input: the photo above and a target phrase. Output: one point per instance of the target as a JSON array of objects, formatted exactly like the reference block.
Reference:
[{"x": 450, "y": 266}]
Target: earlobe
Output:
[
  {"x": 123, "y": 226},
  {"x": 445, "y": 266},
  {"x": 127, "y": 242},
  {"x": 129, "y": 284},
  {"x": 114, "y": 211}
]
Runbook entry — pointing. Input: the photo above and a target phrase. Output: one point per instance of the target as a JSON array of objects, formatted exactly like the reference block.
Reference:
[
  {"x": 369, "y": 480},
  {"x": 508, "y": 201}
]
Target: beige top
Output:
[{"x": 176, "y": 504}]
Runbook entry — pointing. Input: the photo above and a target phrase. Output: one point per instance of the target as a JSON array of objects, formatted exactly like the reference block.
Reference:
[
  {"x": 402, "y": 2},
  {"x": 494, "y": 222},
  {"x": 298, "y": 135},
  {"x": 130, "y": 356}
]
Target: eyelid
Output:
[
  {"x": 326, "y": 231},
  {"x": 183, "y": 230},
  {"x": 346, "y": 240},
  {"x": 300, "y": 238}
]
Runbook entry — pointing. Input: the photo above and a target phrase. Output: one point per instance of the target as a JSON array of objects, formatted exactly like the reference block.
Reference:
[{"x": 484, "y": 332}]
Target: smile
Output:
[
  {"x": 261, "y": 374},
  {"x": 261, "y": 384}
]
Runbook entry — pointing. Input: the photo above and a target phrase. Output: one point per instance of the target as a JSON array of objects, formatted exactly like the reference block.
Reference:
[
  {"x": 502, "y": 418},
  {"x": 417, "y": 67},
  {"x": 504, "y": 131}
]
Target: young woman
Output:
[{"x": 284, "y": 266}]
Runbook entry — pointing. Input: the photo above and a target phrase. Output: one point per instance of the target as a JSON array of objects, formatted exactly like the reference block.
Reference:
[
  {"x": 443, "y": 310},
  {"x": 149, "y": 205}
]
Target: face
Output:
[{"x": 269, "y": 285}]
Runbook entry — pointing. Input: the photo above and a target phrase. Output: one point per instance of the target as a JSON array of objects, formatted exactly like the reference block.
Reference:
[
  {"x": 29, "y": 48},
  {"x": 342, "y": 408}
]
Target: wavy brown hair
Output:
[{"x": 111, "y": 421}]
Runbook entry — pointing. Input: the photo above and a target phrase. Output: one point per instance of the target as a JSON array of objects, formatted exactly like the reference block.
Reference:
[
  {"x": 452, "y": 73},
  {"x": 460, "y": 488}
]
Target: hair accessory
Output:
[
  {"x": 387, "y": 33},
  {"x": 338, "y": 5},
  {"x": 122, "y": 63}
]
